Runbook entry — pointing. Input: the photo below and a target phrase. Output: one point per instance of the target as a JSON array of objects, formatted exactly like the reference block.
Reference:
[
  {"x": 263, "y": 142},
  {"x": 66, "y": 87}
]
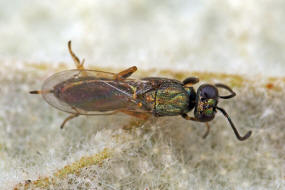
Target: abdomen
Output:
[{"x": 94, "y": 95}]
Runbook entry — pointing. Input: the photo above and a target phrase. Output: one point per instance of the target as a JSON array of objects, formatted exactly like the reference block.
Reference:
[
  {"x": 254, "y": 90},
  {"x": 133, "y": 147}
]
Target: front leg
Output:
[
  {"x": 207, "y": 131},
  {"x": 185, "y": 116}
]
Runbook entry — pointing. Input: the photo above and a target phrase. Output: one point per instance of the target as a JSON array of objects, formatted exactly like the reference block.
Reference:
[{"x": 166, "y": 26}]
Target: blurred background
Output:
[{"x": 232, "y": 36}]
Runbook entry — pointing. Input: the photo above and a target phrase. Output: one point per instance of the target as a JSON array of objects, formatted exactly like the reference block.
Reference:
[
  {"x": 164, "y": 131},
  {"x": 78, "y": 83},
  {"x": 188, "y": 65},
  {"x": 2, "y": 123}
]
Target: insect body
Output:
[{"x": 90, "y": 92}]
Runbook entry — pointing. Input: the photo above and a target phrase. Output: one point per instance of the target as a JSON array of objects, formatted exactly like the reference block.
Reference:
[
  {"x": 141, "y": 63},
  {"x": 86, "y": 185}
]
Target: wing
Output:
[{"x": 91, "y": 92}]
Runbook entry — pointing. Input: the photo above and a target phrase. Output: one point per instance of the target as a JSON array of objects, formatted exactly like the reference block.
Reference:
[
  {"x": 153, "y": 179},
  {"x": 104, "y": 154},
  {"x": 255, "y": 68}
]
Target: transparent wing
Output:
[{"x": 102, "y": 93}]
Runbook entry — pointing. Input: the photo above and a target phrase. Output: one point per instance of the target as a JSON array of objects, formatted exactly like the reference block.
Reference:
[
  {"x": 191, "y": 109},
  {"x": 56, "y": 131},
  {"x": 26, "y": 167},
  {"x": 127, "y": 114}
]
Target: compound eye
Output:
[{"x": 208, "y": 91}]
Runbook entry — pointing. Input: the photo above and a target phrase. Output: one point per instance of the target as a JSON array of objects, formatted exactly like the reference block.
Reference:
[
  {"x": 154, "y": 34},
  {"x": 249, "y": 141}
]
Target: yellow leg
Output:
[
  {"x": 185, "y": 116},
  {"x": 134, "y": 123},
  {"x": 69, "y": 118},
  {"x": 79, "y": 65},
  {"x": 126, "y": 73},
  {"x": 142, "y": 118}
]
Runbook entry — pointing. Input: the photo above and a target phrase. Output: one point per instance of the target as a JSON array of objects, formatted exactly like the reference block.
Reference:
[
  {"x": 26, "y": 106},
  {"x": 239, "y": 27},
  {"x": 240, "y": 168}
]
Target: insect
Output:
[{"x": 90, "y": 92}]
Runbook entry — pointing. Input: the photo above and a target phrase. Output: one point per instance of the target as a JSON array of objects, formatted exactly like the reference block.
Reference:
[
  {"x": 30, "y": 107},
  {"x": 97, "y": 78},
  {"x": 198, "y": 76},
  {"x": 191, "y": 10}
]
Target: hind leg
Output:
[{"x": 79, "y": 65}]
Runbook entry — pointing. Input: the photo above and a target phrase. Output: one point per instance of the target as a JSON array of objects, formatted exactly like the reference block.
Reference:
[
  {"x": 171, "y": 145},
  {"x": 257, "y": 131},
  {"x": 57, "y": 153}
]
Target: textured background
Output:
[{"x": 163, "y": 38}]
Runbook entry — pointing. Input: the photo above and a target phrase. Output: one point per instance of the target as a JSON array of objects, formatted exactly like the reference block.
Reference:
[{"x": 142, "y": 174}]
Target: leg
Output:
[
  {"x": 69, "y": 118},
  {"x": 190, "y": 81},
  {"x": 207, "y": 132},
  {"x": 185, "y": 116},
  {"x": 126, "y": 73},
  {"x": 79, "y": 65},
  {"x": 134, "y": 123},
  {"x": 142, "y": 118},
  {"x": 140, "y": 115}
]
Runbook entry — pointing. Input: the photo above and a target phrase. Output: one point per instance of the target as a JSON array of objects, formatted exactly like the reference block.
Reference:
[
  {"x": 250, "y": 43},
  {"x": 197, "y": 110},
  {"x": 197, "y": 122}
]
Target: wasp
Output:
[{"x": 90, "y": 92}]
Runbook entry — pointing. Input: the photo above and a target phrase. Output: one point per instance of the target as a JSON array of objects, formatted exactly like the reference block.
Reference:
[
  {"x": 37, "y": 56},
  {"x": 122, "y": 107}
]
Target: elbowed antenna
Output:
[
  {"x": 227, "y": 88},
  {"x": 246, "y": 136}
]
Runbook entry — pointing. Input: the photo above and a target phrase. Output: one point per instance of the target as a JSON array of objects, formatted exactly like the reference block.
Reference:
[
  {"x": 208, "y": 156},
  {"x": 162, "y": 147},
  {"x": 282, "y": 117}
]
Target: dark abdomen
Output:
[{"x": 94, "y": 95}]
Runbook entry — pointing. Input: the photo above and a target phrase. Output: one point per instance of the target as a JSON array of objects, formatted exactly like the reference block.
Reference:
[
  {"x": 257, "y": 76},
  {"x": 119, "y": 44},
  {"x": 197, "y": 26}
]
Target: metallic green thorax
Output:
[{"x": 170, "y": 99}]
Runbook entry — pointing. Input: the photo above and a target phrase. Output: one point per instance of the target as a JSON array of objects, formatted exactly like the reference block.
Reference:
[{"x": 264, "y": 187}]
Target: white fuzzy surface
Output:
[{"x": 164, "y": 153}]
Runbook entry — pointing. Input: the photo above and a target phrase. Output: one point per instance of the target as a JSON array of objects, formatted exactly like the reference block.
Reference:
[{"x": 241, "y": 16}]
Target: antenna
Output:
[
  {"x": 246, "y": 136},
  {"x": 227, "y": 88}
]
